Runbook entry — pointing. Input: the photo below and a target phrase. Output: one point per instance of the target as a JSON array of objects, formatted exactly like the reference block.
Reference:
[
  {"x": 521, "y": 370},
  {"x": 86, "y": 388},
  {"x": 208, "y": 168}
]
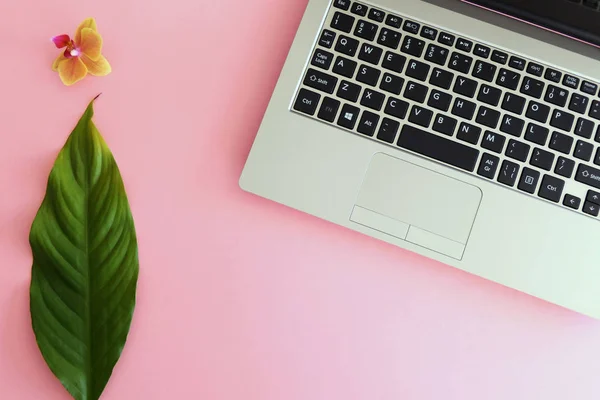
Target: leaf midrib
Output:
[{"x": 86, "y": 190}]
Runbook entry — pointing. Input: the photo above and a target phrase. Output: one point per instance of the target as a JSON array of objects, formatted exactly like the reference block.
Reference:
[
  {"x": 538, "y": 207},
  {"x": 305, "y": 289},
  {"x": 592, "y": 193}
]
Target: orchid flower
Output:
[{"x": 82, "y": 55}]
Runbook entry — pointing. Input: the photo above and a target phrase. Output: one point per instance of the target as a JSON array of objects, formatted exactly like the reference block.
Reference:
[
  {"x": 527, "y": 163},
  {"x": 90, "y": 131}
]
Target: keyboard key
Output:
[
  {"x": 463, "y": 108},
  {"x": 389, "y": 38},
  {"x": 320, "y": 81},
  {"x": 465, "y": 86},
  {"x": 542, "y": 159},
  {"x": 342, "y": 22},
  {"x": 517, "y": 150},
  {"x": 553, "y": 75},
  {"x": 493, "y": 141},
  {"x": 376, "y": 15},
  {"x": 460, "y": 62},
  {"x": 438, "y": 148},
  {"x": 508, "y": 173},
  {"x": 537, "y": 134},
  {"x": 593, "y": 197},
  {"x": 589, "y": 88},
  {"x": 489, "y": 95},
  {"x": 597, "y": 158},
  {"x": 508, "y": 79},
  {"x": 572, "y": 201},
  {"x": 588, "y": 175},
  {"x": 327, "y": 38},
  {"x": 535, "y": 69},
  {"x": 469, "y": 133},
  {"x": 359, "y": 9},
  {"x": 583, "y": 150},
  {"x": 396, "y": 108},
  {"x": 499, "y": 57},
  {"x": 413, "y": 46},
  {"x": 564, "y": 167},
  {"x": 372, "y": 99},
  {"x": 538, "y": 112},
  {"x": 484, "y": 70},
  {"x": 436, "y": 54},
  {"x": 370, "y": 54},
  {"x": 368, "y": 75},
  {"x": 557, "y": 96},
  {"x": 344, "y": 67},
  {"x": 441, "y": 78},
  {"x": 595, "y": 110},
  {"x": 417, "y": 70},
  {"x": 388, "y": 130},
  {"x": 420, "y": 116},
  {"x": 322, "y": 59},
  {"x": 562, "y": 120},
  {"x": 348, "y": 116},
  {"x": 529, "y": 180},
  {"x": 444, "y": 124},
  {"x": 464, "y": 45},
  {"x": 584, "y": 128},
  {"x": 513, "y": 103},
  {"x": 532, "y": 87},
  {"x": 439, "y": 100},
  {"x": 512, "y": 125},
  {"x": 365, "y": 30},
  {"x": 488, "y": 117},
  {"x": 571, "y": 81},
  {"x": 517, "y": 63},
  {"x": 446, "y": 38},
  {"x": 343, "y": 4},
  {"x": 329, "y": 109},
  {"x": 560, "y": 142},
  {"x": 307, "y": 101},
  {"x": 368, "y": 123},
  {"x": 391, "y": 83},
  {"x": 416, "y": 92},
  {"x": 412, "y": 27},
  {"x": 551, "y": 188},
  {"x": 394, "y": 62},
  {"x": 579, "y": 103},
  {"x": 346, "y": 45},
  {"x": 348, "y": 91},
  {"x": 591, "y": 209},
  {"x": 482, "y": 51},
  {"x": 393, "y": 21},
  {"x": 428, "y": 33},
  {"x": 488, "y": 166}
]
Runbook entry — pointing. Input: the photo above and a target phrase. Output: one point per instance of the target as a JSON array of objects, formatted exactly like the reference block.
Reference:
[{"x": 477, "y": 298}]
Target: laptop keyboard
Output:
[
  {"x": 592, "y": 4},
  {"x": 447, "y": 97}
]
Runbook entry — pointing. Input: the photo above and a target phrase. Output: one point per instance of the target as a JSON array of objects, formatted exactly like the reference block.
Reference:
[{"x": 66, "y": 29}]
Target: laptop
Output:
[{"x": 466, "y": 133}]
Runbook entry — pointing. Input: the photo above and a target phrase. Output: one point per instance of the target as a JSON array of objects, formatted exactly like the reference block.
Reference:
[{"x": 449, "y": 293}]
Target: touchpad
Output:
[{"x": 418, "y": 205}]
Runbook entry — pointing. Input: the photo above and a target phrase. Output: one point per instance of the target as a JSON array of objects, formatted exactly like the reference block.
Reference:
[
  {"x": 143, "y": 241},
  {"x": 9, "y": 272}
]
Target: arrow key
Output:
[
  {"x": 591, "y": 208},
  {"x": 572, "y": 201},
  {"x": 593, "y": 197}
]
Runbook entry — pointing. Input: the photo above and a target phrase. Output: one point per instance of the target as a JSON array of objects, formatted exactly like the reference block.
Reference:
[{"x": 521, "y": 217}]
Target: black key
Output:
[
  {"x": 482, "y": 51},
  {"x": 460, "y": 62},
  {"x": 391, "y": 83},
  {"x": 512, "y": 125},
  {"x": 439, "y": 100},
  {"x": 560, "y": 142},
  {"x": 529, "y": 180},
  {"x": 542, "y": 159},
  {"x": 571, "y": 81},
  {"x": 485, "y": 71},
  {"x": 593, "y": 197},
  {"x": 415, "y": 91},
  {"x": 441, "y": 78},
  {"x": 572, "y": 201},
  {"x": 436, "y": 54},
  {"x": 396, "y": 108},
  {"x": 417, "y": 70},
  {"x": 370, "y": 54},
  {"x": 394, "y": 62},
  {"x": 438, "y": 148},
  {"x": 508, "y": 173},
  {"x": 493, "y": 141},
  {"x": 508, "y": 79},
  {"x": 535, "y": 69},
  {"x": 464, "y": 45},
  {"x": 469, "y": 133},
  {"x": 537, "y": 111},
  {"x": 372, "y": 99},
  {"x": 579, "y": 103},
  {"x": 553, "y": 75},
  {"x": 322, "y": 59},
  {"x": 444, "y": 124},
  {"x": 489, "y": 95},
  {"x": 327, "y": 38},
  {"x": 537, "y": 134},
  {"x": 589, "y": 88},
  {"x": 517, "y": 63},
  {"x": 446, "y": 38},
  {"x": 597, "y": 137},
  {"x": 597, "y": 158},
  {"x": 465, "y": 86},
  {"x": 348, "y": 116},
  {"x": 564, "y": 167},
  {"x": 517, "y": 150},
  {"x": 329, "y": 109},
  {"x": 411, "y": 27},
  {"x": 532, "y": 87},
  {"x": 429, "y": 33},
  {"x": 420, "y": 116},
  {"x": 595, "y": 110},
  {"x": 343, "y": 4},
  {"x": 320, "y": 81},
  {"x": 557, "y": 96},
  {"x": 562, "y": 120},
  {"x": 463, "y": 108},
  {"x": 368, "y": 123},
  {"x": 551, "y": 188},
  {"x": 393, "y": 21},
  {"x": 365, "y": 30},
  {"x": 348, "y": 91},
  {"x": 388, "y": 130},
  {"x": 513, "y": 103},
  {"x": 307, "y": 101},
  {"x": 413, "y": 46},
  {"x": 376, "y": 15},
  {"x": 368, "y": 75},
  {"x": 499, "y": 57},
  {"x": 389, "y": 38},
  {"x": 583, "y": 150},
  {"x": 591, "y": 209},
  {"x": 342, "y": 22},
  {"x": 346, "y": 45},
  {"x": 488, "y": 166},
  {"x": 488, "y": 117},
  {"x": 359, "y": 9},
  {"x": 584, "y": 128},
  {"x": 344, "y": 67},
  {"x": 588, "y": 175}
]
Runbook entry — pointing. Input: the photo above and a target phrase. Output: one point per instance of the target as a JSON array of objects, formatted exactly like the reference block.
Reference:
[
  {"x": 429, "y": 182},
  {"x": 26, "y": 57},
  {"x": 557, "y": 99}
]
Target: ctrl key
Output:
[
  {"x": 551, "y": 188},
  {"x": 307, "y": 102}
]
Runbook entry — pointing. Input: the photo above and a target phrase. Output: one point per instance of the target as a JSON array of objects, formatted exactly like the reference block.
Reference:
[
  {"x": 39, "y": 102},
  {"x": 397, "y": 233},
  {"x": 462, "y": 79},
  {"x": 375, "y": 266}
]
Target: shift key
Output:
[
  {"x": 588, "y": 175},
  {"x": 320, "y": 81}
]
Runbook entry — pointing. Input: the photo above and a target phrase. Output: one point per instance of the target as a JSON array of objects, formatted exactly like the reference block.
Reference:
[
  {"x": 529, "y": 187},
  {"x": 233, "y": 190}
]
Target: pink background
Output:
[{"x": 240, "y": 298}]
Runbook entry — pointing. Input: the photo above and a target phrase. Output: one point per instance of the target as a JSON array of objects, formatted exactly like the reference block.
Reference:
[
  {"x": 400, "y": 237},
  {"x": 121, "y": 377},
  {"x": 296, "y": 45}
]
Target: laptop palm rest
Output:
[{"x": 417, "y": 205}]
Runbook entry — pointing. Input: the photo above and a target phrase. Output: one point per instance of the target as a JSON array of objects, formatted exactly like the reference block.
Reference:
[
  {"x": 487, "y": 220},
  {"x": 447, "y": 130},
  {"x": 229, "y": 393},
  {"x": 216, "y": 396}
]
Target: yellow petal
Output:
[
  {"x": 90, "y": 44},
  {"x": 99, "y": 67},
  {"x": 58, "y": 60},
  {"x": 88, "y": 23},
  {"x": 72, "y": 70}
]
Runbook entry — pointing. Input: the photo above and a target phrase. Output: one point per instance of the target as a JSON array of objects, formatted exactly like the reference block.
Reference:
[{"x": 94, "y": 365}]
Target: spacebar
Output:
[{"x": 438, "y": 148}]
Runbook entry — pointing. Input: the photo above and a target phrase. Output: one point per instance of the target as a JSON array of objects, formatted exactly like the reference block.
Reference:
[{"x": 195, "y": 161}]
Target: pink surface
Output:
[{"x": 240, "y": 298}]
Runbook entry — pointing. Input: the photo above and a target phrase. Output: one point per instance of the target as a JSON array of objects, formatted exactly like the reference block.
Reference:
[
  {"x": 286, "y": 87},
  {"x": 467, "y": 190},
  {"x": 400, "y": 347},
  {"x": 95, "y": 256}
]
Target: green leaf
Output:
[{"x": 85, "y": 264}]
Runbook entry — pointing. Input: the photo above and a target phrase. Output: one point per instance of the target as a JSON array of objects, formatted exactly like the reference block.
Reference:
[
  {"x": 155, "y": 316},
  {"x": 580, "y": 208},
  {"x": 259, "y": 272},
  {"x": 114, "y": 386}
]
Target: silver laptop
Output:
[{"x": 446, "y": 130}]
